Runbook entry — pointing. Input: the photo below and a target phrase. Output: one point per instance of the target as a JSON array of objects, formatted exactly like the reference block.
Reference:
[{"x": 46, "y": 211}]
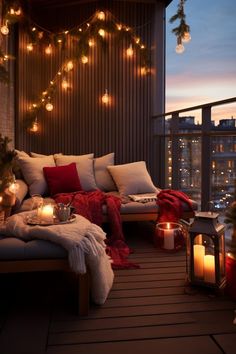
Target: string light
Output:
[
  {"x": 137, "y": 40},
  {"x": 179, "y": 48},
  {"x": 119, "y": 27},
  {"x": 101, "y": 32},
  {"x": 5, "y": 29},
  {"x": 91, "y": 42},
  {"x": 186, "y": 37},
  {"x": 84, "y": 59},
  {"x": 30, "y": 47},
  {"x": 69, "y": 65},
  {"x": 49, "y": 106},
  {"x": 48, "y": 49},
  {"x": 65, "y": 84},
  {"x": 105, "y": 97},
  {"x": 35, "y": 126},
  {"x": 130, "y": 51},
  {"x": 101, "y": 16}
]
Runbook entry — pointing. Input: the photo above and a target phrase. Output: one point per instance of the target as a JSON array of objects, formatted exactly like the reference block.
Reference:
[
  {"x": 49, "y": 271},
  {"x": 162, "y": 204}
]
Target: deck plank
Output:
[{"x": 227, "y": 342}]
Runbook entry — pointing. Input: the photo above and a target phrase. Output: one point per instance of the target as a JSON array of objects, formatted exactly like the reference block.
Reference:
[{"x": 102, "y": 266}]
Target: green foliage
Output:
[{"x": 182, "y": 28}]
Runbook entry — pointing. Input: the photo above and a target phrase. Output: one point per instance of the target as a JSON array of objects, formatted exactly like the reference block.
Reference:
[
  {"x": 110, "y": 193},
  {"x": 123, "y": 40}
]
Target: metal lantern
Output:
[{"x": 206, "y": 251}]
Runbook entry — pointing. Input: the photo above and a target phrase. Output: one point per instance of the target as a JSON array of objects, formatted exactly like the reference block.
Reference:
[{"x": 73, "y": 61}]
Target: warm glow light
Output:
[
  {"x": 101, "y": 16},
  {"x": 186, "y": 37},
  {"x": 144, "y": 70},
  {"x": 179, "y": 49},
  {"x": 130, "y": 51},
  {"x": 102, "y": 32},
  {"x": 142, "y": 46},
  {"x": 12, "y": 11},
  {"x": 35, "y": 126},
  {"x": 91, "y": 42},
  {"x": 105, "y": 97},
  {"x": 65, "y": 84},
  {"x": 14, "y": 187},
  {"x": 69, "y": 65},
  {"x": 4, "y": 30},
  {"x": 33, "y": 29},
  {"x": 1, "y": 198},
  {"x": 84, "y": 59},
  {"x": 137, "y": 40},
  {"x": 49, "y": 106},
  {"x": 48, "y": 49},
  {"x": 30, "y": 47},
  {"x": 18, "y": 12},
  {"x": 119, "y": 27}
]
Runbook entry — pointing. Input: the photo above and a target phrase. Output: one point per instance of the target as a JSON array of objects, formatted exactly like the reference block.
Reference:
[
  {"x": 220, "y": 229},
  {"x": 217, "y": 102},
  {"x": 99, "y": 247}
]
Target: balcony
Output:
[{"x": 198, "y": 159}]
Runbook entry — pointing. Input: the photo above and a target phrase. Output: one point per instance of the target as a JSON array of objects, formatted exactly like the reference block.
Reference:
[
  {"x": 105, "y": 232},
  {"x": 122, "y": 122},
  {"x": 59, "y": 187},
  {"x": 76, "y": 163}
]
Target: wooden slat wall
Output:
[{"x": 79, "y": 122}]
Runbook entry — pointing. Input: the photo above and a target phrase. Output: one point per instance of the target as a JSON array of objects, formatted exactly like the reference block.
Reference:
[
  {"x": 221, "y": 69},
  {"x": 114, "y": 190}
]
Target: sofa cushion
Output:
[
  {"x": 84, "y": 165},
  {"x": 103, "y": 178},
  {"x": 132, "y": 178},
  {"x": 20, "y": 194},
  {"x": 62, "y": 179},
  {"x": 32, "y": 170}
]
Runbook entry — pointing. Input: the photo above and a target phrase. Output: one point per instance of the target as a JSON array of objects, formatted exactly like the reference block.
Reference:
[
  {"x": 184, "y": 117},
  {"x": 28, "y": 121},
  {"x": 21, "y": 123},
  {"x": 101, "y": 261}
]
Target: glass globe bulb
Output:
[
  {"x": 179, "y": 49},
  {"x": 4, "y": 30},
  {"x": 91, "y": 42},
  {"x": 49, "y": 106},
  {"x": 48, "y": 49},
  {"x": 64, "y": 84},
  {"x": 30, "y": 47},
  {"x": 101, "y": 16},
  {"x": 69, "y": 65},
  {"x": 105, "y": 97},
  {"x": 130, "y": 51},
  {"x": 84, "y": 59},
  {"x": 186, "y": 37},
  {"x": 35, "y": 127},
  {"x": 101, "y": 32}
]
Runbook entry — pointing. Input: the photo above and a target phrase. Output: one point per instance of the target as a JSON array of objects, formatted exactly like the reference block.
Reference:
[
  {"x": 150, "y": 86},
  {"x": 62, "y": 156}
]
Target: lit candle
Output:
[
  {"x": 209, "y": 269},
  {"x": 168, "y": 238},
  {"x": 199, "y": 253},
  {"x": 1, "y": 199},
  {"x": 47, "y": 213}
]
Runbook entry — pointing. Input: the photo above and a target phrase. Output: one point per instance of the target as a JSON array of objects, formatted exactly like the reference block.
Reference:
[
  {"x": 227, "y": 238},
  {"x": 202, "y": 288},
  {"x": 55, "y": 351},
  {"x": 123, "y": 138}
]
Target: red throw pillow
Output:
[{"x": 62, "y": 179}]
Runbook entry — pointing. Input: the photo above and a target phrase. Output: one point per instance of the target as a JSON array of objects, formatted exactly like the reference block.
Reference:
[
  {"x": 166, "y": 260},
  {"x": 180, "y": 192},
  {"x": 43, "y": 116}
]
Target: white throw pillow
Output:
[
  {"x": 84, "y": 167},
  {"x": 132, "y": 178},
  {"x": 103, "y": 178},
  {"x": 32, "y": 170}
]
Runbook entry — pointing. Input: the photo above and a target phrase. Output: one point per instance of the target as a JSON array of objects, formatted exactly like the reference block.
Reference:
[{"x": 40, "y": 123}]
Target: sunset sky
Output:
[{"x": 206, "y": 71}]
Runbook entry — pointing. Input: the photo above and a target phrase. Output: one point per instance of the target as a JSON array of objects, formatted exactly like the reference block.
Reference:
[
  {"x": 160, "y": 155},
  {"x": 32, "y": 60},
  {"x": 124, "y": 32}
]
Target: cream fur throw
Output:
[{"x": 84, "y": 242}]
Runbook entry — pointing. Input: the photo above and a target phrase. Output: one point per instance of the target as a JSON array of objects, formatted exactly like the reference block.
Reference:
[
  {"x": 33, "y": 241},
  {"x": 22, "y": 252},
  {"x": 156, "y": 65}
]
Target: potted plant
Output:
[{"x": 230, "y": 220}]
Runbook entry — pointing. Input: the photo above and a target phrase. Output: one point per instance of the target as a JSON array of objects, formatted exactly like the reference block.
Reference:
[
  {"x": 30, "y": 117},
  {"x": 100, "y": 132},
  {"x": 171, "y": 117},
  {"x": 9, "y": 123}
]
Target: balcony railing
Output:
[{"x": 199, "y": 159}]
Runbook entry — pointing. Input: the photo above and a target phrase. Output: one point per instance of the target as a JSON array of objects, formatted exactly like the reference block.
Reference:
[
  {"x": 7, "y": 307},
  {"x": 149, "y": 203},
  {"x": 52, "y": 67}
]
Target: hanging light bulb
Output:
[
  {"x": 84, "y": 59},
  {"x": 48, "y": 49},
  {"x": 186, "y": 37},
  {"x": 5, "y": 29},
  {"x": 12, "y": 11},
  {"x": 65, "y": 84},
  {"x": 30, "y": 47},
  {"x": 49, "y": 106},
  {"x": 137, "y": 40},
  {"x": 105, "y": 97},
  {"x": 130, "y": 51},
  {"x": 119, "y": 27},
  {"x": 102, "y": 32},
  {"x": 101, "y": 16},
  {"x": 35, "y": 126},
  {"x": 179, "y": 48},
  {"x": 91, "y": 42},
  {"x": 69, "y": 65},
  {"x": 18, "y": 12}
]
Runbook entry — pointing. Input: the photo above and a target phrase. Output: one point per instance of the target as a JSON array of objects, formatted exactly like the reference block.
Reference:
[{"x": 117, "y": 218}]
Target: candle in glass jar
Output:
[
  {"x": 46, "y": 213},
  {"x": 209, "y": 269},
  {"x": 199, "y": 253},
  {"x": 168, "y": 237}
]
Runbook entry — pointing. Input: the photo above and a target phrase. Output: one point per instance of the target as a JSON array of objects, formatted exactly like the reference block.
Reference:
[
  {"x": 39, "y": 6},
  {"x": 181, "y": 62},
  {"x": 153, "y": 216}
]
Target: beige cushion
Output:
[
  {"x": 32, "y": 170},
  {"x": 84, "y": 165},
  {"x": 103, "y": 177},
  {"x": 132, "y": 178}
]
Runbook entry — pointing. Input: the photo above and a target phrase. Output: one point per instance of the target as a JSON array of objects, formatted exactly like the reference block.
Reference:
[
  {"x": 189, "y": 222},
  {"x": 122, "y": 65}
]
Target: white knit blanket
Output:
[{"x": 84, "y": 242}]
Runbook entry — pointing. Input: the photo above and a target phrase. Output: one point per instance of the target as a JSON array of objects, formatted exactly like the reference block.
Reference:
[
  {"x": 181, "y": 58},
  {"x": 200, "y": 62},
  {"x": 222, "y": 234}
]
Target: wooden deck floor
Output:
[{"x": 148, "y": 311}]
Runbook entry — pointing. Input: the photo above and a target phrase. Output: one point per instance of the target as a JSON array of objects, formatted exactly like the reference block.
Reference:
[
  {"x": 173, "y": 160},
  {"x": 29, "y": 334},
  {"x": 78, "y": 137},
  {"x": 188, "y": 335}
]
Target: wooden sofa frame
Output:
[{"x": 82, "y": 280}]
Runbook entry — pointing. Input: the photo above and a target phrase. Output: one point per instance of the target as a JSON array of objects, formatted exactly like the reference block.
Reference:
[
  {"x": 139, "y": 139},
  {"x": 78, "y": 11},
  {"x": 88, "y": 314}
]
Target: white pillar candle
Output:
[
  {"x": 168, "y": 238},
  {"x": 46, "y": 214},
  {"x": 198, "y": 256},
  {"x": 209, "y": 269}
]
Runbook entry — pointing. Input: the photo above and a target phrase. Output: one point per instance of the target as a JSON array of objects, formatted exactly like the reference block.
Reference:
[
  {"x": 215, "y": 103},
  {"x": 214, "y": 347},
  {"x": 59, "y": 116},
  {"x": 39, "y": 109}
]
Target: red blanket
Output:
[
  {"x": 89, "y": 205},
  {"x": 170, "y": 205}
]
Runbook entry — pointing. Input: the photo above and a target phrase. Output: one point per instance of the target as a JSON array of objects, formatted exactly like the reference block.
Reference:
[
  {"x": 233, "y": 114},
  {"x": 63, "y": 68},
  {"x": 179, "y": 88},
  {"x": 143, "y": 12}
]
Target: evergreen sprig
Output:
[{"x": 182, "y": 28}]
